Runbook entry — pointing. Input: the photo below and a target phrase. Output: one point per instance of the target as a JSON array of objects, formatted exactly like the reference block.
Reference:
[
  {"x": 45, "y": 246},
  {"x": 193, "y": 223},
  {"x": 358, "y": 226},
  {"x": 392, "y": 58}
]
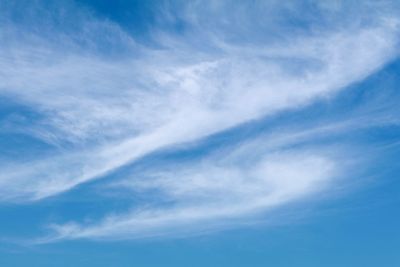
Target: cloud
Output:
[
  {"x": 105, "y": 100},
  {"x": 88, "y": 100},
  {"x": 229, "y": 187},
  {"x": 202, "y": 195}
]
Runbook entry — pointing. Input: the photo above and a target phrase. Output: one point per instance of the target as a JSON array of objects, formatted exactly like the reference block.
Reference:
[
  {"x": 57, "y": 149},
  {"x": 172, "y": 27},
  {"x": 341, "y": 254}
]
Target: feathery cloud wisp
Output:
[{"x": 100, "y": 112}]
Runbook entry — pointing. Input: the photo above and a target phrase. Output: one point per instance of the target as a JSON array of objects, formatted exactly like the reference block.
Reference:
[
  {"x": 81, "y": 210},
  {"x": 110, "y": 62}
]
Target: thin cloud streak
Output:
[
  {"x": 205, "y": 193},
  {"x": 252, "y": 179}
]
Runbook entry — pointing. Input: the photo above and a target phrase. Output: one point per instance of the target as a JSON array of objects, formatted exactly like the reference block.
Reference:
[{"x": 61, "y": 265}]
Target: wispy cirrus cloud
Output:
[
  {"x": 203, "y": 196},
  {"x": 107, "y": 109},
  {"x": 226, "y": 187}
]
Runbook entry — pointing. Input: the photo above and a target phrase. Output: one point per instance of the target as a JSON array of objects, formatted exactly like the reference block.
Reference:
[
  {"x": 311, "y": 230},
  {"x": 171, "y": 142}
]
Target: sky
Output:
[{"x": 199, "y": 133}]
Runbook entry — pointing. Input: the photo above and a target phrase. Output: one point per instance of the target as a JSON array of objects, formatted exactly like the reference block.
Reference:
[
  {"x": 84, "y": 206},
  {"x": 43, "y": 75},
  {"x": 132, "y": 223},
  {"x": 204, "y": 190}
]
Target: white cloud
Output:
[
  {"x": 86, "y": 98},
  {"x": 206, "y": 193},
  {"x": 112, "y": 110},
  {"x": 229, "y": 187}
]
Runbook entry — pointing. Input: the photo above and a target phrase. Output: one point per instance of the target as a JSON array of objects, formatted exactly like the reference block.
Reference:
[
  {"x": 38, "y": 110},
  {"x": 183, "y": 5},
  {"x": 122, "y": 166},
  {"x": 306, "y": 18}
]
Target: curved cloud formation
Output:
[{"x": 104, "y": 100}]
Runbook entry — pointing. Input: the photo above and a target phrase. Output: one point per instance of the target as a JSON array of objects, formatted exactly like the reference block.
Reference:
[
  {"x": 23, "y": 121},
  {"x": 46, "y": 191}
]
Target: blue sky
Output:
[{"x": 199, "y": 133}]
